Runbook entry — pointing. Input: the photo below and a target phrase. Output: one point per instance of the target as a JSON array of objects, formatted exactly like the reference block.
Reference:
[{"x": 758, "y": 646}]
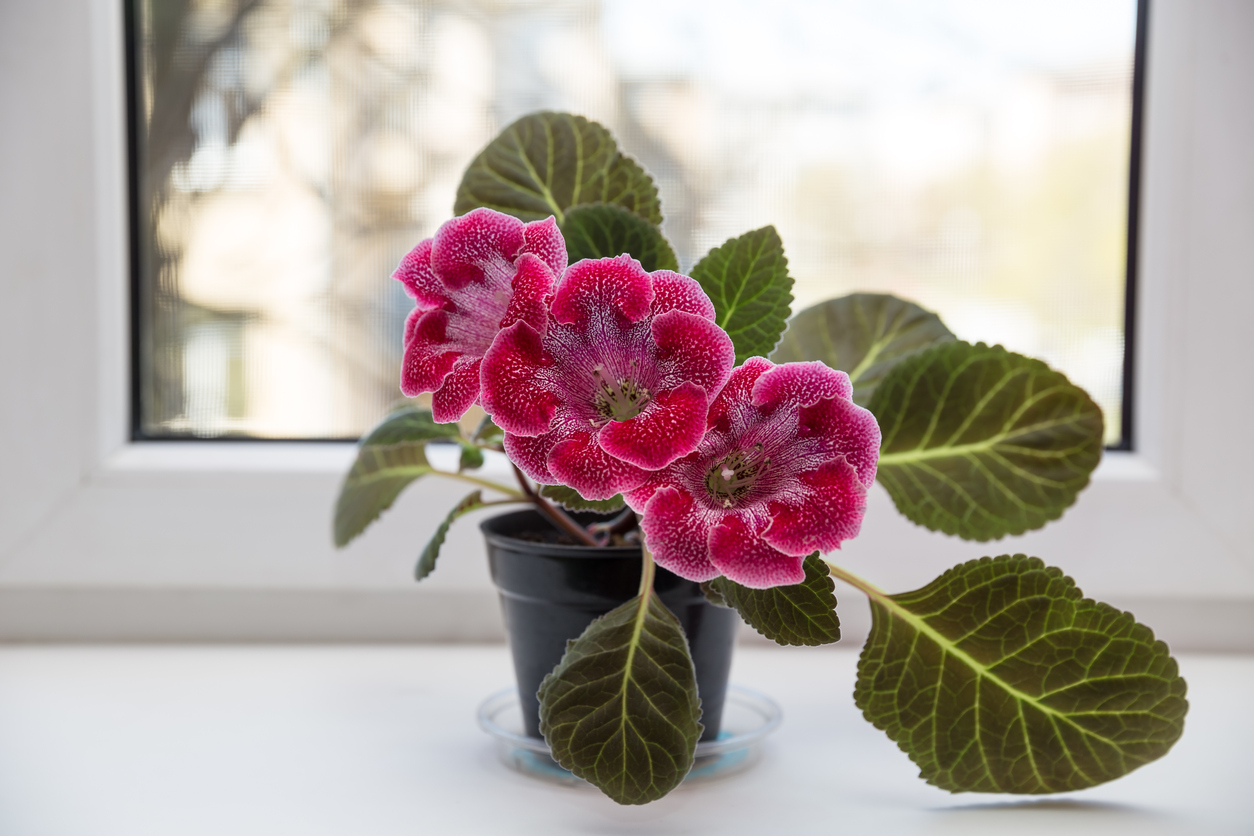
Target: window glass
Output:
[{"x": 971, "y": 155}]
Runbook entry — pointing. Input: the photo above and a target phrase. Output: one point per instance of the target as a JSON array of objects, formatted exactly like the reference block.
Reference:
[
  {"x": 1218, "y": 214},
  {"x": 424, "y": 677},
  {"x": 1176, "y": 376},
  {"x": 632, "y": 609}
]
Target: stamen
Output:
[
  {"x": 734, "y": 477},
  {"x": 618, "y": 400}
]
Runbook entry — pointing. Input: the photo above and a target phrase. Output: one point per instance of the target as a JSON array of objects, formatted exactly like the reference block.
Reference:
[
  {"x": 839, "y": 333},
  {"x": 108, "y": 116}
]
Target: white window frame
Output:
[{"x": 105, "y": 538}]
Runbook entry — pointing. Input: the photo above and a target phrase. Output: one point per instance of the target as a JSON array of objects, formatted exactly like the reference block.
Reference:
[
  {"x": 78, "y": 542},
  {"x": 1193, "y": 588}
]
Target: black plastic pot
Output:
[{"x": 551, "y": 592}]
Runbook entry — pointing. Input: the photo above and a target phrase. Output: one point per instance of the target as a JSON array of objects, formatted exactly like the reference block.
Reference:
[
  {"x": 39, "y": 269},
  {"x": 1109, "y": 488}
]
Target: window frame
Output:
[{"x": 105, "y": 537}]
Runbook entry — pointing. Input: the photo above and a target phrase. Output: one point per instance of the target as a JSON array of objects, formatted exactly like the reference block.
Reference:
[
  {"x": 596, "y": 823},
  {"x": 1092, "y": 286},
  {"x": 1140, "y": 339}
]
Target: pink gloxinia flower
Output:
[
  {"x": 615, "y": 384},
  {"x": 782, "y": 471},
  {"x": 481, "y": 272}
]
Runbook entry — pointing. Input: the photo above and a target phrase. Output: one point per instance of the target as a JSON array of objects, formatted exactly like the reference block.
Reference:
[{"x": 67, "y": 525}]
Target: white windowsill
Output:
[{"x": 375, "y": 740}]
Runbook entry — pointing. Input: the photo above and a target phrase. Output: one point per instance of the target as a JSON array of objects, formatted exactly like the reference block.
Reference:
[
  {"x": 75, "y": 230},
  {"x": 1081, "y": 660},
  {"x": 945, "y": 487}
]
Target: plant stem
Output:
[
  {"x": 552, "y": 513},
  {"x": 483, "y": 483},
  {"x": 647, "y": 569},
  {"x": 624, "y": 523},
  {"x": 866, "y": 587},
  {"x": 502, "y": 502},
  {"x": 605, "y": 531}
]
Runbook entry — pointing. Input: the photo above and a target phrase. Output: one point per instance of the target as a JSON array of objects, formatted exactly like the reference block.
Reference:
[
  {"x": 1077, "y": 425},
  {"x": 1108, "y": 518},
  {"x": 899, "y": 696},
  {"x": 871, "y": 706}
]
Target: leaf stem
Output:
[
  {"x": 620, "y": 525},
  {"x": 483, "y": 483},
  {"x": 501, "y": 502},
  {"x": 864, "y": 586},
  {"x": 552, "y": 513},
  {"x": 647, "y": 569}
]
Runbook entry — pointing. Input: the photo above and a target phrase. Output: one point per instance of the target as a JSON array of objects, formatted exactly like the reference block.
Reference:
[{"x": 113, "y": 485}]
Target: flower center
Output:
[
  {"x": 618, "y": 400},
  {"x": 734, "y": 476}
]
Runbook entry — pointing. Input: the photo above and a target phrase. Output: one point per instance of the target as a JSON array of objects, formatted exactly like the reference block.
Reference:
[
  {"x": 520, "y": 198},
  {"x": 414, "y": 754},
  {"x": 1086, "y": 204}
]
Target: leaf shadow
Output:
[
  {"x": 1051, "y": 804},
  {"x": 1055, "y": 815}
]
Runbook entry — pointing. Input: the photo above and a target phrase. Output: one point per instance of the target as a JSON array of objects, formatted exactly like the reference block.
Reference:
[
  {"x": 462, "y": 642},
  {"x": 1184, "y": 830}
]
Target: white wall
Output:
[{"x": 102, "y": 539}]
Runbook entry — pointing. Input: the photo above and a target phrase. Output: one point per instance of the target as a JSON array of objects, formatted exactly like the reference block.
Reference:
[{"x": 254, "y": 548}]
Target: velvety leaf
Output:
[
  {"x": 863, "y": 334},
  {"x": 378, "y": 476},
  {"x": 488, "y": 433},
  {"x": 714, "y": 596},
  {"x": 569, "y": 498},
  {"x": 999, "y": 676},
  {"x": 747, "y": 279},
  {"x": 600, "y": 230},
  {"x": 621, "y": 709},
  {"x": 981, "y": 442},
  {"x": 802, "y": 614},
  {"x": 391, "y": 456},
  {"x": 409, "y": 423},
  {"x": 545, "y": 163},
  {"x": 426, "y": 561},
  {"x": 471, "y": 457}
]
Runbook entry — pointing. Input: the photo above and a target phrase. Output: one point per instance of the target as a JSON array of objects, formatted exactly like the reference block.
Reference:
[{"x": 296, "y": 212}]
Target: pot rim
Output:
[{"x": 532, "y": 547}]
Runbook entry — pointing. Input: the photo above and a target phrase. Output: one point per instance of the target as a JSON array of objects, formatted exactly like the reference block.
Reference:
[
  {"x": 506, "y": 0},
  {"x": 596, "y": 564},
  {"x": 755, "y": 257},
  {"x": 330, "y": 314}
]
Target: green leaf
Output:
[
  {"x": 621, "y": 709},
  {"x": 391, "y": 456},
  {"x": 999, "y": 676},
  {"x": 488, "y": 433},
  {"x": 714, "y": 596},
  {"x": 863, "y": 334},
  {"x": 471, "y": 457},
  {"x": 409, "y": 423},
  {"x": 803, "y": 614},
  {"x": 378, "y": 476},
  {"x": 981, "y": 442},
  {"x": 600, "y": 230},
  {"x": 545, "y": 163},
  {"x": 569, "y": 498},
  {"x": 426, "y": 561},
  {"x": 747, "y": 279}
]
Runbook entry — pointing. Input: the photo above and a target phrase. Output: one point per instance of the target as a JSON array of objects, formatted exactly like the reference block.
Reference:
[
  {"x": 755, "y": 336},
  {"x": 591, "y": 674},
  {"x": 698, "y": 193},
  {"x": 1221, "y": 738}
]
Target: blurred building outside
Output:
[{"x": 971, "y": 156}]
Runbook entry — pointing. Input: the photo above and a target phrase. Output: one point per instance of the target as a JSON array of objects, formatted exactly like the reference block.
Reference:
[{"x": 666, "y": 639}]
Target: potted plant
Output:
[{"x": 616, "y": 385}]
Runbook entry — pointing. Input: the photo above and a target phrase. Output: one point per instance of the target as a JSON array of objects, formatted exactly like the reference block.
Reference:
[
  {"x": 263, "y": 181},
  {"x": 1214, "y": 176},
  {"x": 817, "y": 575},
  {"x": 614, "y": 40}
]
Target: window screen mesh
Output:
[{"x": 972, "y": 156}]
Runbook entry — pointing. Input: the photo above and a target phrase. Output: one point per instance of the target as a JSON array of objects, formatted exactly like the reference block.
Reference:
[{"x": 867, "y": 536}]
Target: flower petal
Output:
[
  {"x": 669, "y": 428},
  {"x": 845, "y": 429},
  {"x": 544, "y": 239},
  {"x": 459, "y": 392},
  {"x": 692, "y": 348},
  {"x": 745, "y": 557},
  {"x": 637, "y": 498},
  {"x": 593, "y": 287},
  {"x": 677, "y": 292},
  {"x": 420, "y": 281},
  {"x": 736, "y": 394},
  {"x": 800, "y": 383},
  {"x": 531, "y": 454},
  {"x": 533, "y": 285},
  {"x": 482, "y": 241},
  {"x": 828, "y": 511},
  {"x": 411, "y": 324},
  {"x": 426, "y": 362},
  {"x": 512, "y": 393},
  {"x": 580, "y": 463},
  {"x": 675, "y": 533}
]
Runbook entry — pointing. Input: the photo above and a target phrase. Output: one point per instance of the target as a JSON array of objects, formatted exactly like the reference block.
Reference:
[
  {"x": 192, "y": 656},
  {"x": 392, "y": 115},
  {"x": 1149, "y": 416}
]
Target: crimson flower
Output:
[
  {"x": 783, "y": 471},
  {"x": 481, "y": 272},
  {"x": 616, "y": 383}
]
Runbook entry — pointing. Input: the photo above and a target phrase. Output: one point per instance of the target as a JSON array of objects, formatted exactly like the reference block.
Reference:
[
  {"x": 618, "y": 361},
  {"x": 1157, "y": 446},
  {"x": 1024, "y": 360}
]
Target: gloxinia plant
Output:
[{"x": 737, "y": 447}]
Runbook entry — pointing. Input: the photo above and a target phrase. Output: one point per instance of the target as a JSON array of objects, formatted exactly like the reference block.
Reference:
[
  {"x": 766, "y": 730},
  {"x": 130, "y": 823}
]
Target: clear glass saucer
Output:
[{"x": 748, "y": 717}]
